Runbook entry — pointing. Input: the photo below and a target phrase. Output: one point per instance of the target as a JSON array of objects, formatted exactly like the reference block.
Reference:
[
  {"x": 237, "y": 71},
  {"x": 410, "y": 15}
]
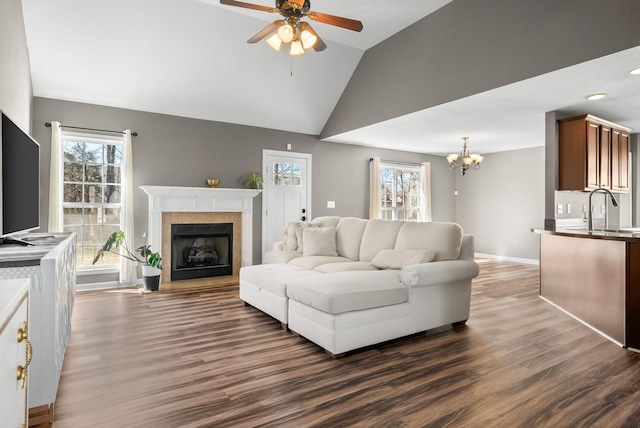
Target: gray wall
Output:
[
  {"x": 16, "y": 94},
  {"x": 179, "y": 151},
  {"x": 502, "y": 201},
  {"x": 462, "y": 48}
]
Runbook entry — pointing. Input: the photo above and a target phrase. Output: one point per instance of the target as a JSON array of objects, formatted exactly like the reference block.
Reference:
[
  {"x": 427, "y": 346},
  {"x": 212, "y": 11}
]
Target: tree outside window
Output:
[{"x": 400, "y": 192}]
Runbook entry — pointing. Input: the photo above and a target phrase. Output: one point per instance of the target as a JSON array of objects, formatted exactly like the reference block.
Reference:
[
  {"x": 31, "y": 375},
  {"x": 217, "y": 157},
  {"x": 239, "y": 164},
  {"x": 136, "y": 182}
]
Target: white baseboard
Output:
[
  {"x": 100, "y": 286},
  {"x": 508, "y": 259}
]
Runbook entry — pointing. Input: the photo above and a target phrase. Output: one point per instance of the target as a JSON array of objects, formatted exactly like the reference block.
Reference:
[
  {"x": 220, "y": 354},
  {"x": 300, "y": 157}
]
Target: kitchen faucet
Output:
[{"x": 590, "y": 215}]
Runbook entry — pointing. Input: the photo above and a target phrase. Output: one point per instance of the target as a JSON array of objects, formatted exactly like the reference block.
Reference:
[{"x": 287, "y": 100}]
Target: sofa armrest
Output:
[
  {"x": 442, "y": 272},
  {"x": 278, "y": 246}
]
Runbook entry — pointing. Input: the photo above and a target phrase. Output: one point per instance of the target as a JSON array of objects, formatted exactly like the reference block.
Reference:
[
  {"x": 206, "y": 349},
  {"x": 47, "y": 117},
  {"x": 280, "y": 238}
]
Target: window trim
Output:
[{"x": 91, "y": 138}]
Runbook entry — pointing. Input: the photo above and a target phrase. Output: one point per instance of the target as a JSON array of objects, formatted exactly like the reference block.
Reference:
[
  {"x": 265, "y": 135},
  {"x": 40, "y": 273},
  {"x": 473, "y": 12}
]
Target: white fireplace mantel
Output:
[{"x": 201, "y": 199}]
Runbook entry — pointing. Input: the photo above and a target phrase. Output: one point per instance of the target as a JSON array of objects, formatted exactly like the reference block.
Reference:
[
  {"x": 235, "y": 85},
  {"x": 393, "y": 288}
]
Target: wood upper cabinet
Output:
[
  {"x": 592, "y": 154},
  {"x": 619, "y": 160}
]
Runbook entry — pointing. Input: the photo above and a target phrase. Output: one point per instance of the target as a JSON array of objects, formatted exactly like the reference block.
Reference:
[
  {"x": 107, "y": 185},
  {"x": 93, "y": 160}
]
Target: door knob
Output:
[{"x": 304, "y": 218}]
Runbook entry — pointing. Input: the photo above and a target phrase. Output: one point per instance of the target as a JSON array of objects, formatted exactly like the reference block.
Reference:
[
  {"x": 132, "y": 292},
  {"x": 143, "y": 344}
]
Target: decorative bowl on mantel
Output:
[{"x": 213, "y": 183}]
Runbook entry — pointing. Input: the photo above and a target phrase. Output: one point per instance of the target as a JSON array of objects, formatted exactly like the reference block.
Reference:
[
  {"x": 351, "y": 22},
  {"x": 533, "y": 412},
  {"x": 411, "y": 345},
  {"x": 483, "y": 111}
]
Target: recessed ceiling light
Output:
[
  {"x": 635, "y": 71},
  {"x": 596, "y": 96}
]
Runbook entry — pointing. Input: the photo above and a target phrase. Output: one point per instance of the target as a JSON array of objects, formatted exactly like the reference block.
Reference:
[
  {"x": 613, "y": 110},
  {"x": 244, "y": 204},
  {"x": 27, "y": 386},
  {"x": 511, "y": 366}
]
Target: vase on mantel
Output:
[{"x": 150, "y": 278}]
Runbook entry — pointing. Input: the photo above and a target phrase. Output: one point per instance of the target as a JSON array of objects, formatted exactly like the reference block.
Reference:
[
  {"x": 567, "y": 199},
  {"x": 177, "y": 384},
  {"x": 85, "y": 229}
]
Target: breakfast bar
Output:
[{"x": 594, "y": 276}]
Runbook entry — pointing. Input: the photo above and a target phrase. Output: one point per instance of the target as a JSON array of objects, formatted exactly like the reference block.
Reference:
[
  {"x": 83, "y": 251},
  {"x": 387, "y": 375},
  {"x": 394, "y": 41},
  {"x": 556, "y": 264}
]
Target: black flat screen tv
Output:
[{"x": 20, "y": 186}]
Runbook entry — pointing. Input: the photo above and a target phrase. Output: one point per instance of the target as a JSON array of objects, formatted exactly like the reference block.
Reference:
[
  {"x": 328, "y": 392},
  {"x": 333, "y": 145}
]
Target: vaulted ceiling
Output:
[{"x": 190, "y": 58}]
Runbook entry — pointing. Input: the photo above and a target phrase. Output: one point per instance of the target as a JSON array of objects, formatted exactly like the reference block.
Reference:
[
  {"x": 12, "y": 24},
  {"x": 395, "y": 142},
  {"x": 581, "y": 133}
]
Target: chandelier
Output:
[{"x": 464, "y": 160}]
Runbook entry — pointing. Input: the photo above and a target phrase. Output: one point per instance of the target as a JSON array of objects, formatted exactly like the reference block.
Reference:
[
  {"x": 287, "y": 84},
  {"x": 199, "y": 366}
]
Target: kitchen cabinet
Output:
[
  {"x": 15, "y": 355},
  {"x": 592, "y": 154},
  {"x": 619, "y": 160}
]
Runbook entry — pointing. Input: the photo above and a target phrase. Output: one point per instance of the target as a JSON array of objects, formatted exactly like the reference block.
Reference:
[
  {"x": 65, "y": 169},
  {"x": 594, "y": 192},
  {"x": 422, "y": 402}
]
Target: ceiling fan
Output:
[{"x": 292, "y": 29}]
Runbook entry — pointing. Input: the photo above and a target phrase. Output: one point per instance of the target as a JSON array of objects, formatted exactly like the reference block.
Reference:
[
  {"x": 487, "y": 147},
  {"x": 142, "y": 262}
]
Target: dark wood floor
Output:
[{"x": 200, "y": 358}]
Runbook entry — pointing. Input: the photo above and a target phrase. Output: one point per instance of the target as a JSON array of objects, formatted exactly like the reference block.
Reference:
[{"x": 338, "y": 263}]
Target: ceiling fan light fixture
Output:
[
  {"x": 286, "y": 33},
  {"x": 296, "y": 48},
  {"x": 275, "y": 42},
  {"x": 308, "y": 37}
]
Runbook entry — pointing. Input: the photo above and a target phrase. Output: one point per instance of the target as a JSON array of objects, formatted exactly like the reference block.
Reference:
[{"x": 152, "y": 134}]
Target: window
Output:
[
  {"x": 400, "y": 192},
  {"x": 92, "y": 185},
  {"x": 286, "y": 174}
]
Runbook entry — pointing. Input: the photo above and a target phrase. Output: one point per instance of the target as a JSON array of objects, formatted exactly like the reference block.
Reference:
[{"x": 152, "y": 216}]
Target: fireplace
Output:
[
  {"x": 201, "y": 250},
  {"x": 199, "y": 205}
]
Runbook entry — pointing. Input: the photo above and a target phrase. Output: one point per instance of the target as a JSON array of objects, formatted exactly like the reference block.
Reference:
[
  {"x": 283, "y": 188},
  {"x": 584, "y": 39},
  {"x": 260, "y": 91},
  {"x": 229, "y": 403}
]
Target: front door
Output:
[{"x": 287, "y": 193}]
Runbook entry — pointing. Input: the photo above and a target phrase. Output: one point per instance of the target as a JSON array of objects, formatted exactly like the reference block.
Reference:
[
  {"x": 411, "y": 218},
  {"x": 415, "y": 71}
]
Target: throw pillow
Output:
[
  {"x": 397, "y": 259},
  {"x": 319, "y": 241},
  {"x": 290, "y": 237}
]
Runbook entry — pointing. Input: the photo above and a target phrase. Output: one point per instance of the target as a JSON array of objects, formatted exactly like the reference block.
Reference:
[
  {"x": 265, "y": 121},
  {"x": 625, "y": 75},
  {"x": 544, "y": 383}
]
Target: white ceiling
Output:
[{"x": 190, "y": 58}]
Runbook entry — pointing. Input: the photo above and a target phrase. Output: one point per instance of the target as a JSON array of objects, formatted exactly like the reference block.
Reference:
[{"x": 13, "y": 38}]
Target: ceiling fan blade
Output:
[
  {"x": 266, "y": 31},
  {"x": 248, "y": 5},
  {"x": 349, "y": 24}
]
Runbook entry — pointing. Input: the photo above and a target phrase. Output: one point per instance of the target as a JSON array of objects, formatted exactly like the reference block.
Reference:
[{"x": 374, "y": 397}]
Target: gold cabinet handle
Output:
[
  {"x": 22, "y": 334},
  {"x": 23, "y": 337}
]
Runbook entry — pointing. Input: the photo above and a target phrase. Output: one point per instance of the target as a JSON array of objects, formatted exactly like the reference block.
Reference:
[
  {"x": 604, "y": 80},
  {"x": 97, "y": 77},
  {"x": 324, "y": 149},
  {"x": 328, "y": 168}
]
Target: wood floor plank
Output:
[{"x": 197, "y": 357}]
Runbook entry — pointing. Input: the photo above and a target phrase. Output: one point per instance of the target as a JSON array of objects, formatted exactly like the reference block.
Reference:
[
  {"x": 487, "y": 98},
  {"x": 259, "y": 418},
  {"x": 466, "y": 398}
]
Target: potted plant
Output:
[
  {"x": 151, "y": 261},
  {"x": 253, "y": 180}
]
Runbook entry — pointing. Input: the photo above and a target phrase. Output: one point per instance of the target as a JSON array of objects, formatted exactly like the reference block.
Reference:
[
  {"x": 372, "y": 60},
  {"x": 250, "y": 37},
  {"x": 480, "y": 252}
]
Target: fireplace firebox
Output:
[{"x": 201, "y": 250}]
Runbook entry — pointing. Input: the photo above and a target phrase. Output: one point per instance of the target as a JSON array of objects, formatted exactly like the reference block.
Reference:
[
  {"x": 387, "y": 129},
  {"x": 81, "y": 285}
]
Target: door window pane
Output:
[{"x": 287, "y": 174}]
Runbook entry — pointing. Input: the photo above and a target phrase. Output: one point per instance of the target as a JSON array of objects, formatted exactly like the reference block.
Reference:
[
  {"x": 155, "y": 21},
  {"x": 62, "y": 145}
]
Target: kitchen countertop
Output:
[{"x": 623, "y": 234}]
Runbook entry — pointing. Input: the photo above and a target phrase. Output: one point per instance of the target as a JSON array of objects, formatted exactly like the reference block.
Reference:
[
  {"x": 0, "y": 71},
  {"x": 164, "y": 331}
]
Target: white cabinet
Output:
[
  {"x": 52, "y": 292},
  {"x": 14, "y": 299}
]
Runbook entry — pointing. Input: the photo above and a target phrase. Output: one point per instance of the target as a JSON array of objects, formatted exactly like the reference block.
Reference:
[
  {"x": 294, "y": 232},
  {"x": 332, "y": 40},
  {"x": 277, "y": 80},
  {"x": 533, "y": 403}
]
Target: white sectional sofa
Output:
[{"x": 346, "y": 283}]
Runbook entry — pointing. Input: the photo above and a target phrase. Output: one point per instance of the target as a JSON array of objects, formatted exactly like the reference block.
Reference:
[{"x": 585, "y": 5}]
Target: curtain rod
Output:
[
  {"x": 398, "y": 162},
  {"x": 48, "y": 125}
]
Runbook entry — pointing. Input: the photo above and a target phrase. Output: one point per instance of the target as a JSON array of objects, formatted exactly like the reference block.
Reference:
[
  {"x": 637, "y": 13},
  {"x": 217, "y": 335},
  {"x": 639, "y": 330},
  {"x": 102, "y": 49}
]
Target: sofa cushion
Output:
[
  {"x": 312, "y": 262},
  {"x": 349, "y": 236},
  {"x": 397, "y": 259},
  {"x": 344, "y": 267},
  {"x": 273, "y": 277},
  {"x": 378, "y": 235},
  {"x": 319, "y": 241},
  {"x": 349, "y": 291},
  {"x": 444, "y": 238},
  {"x": 326, "y": 221},
  {"x": 280, "y": 256}
]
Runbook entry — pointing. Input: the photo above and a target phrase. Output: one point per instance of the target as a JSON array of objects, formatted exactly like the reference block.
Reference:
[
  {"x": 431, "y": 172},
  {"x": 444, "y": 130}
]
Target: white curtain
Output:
[
  {"x": 374, "y": 189},
  {"x": 128, "y": 273},
  {"x": 55, "y": 179},
  {"x": 425, "y": 190}
]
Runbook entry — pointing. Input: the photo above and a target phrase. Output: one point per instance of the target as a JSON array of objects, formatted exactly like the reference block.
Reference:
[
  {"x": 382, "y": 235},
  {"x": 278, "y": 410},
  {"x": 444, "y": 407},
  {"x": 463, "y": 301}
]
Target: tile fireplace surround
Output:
[{"x": 168, "y": 204}]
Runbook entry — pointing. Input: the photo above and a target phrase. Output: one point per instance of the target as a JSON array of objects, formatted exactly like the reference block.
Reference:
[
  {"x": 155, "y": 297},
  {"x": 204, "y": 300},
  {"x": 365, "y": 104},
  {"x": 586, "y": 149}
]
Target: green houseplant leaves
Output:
[{"x": 117, "y": 240}]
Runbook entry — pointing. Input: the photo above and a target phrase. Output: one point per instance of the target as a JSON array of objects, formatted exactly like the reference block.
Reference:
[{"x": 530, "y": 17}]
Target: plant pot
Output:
[{"x": 151, "y": 278}]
